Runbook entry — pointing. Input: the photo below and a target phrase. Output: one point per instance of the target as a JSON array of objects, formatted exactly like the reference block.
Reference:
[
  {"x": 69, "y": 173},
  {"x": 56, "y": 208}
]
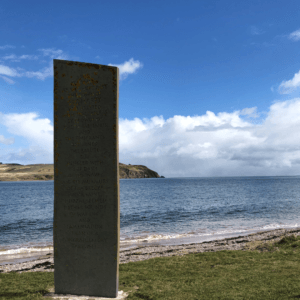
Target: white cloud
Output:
[
  {"x": 128, "y": 67},
  {"x": 4, "y": 70},
  {"x": 216, "y": 145},
  {"x": 8, "y": 80},
  {"x": 255, "y": 30},
  {"x": 295, "y": 36},
  {"x": 6, "y": 141},
  {"x": 250, "y": 112},
  {"x": 211, "y": 144},
  {"x": 41, "y": 74},
  {"x": 6, "y": 47},
  {"x": 57, "y": 54},
  {"x": 28, "y": 126},
  {"x": 15, "y": 58},
  {"x": 37, "y": 132},
  {"x": 289, "y": 86}
]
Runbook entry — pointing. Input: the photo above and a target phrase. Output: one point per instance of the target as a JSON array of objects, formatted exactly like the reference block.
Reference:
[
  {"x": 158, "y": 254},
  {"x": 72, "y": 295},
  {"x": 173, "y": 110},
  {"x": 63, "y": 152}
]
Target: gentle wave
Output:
[{"x": 158, "y": 237}]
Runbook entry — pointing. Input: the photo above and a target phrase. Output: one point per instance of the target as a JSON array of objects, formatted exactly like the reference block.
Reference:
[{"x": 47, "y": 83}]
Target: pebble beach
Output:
[{"x": 255, "y": 241}]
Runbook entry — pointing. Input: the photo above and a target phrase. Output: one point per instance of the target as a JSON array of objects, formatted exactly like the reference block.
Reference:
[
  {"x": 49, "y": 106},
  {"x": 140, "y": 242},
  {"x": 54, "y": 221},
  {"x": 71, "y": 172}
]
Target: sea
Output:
[{"x": 156, "y": 211}]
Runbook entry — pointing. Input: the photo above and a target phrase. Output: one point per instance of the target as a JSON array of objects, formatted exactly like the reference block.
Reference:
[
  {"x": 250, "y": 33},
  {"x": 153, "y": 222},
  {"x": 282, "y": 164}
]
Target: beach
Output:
[{"x": 255, "y": 241}]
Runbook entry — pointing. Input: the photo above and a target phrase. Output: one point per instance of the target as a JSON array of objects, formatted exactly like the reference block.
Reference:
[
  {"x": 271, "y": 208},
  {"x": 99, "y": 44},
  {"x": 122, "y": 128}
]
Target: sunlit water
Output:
[{"x": 156, "y": 210}]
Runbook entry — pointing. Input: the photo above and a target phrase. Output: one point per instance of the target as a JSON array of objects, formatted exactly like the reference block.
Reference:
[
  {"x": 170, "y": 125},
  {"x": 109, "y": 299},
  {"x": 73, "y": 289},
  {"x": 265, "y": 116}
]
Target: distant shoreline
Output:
[{"x": 45, "y": 172}]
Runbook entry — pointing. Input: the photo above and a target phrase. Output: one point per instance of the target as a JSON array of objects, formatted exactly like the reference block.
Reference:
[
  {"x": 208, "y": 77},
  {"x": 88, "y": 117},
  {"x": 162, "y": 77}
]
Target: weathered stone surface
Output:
[{"x": 86, "y": 227}]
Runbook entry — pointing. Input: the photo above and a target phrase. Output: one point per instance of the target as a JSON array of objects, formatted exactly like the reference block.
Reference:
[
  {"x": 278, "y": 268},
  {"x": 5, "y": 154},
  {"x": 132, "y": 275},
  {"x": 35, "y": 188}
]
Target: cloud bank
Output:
[{"x": 183, "y": 146}]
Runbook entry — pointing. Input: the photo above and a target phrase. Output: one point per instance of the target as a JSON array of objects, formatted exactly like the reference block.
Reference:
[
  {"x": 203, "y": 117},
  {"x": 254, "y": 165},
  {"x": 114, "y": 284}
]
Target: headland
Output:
[{"x": 18, "y": 172}]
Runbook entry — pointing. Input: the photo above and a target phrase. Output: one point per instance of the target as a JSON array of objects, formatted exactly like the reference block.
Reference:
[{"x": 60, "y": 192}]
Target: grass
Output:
[{"x": 268, "y": 271}]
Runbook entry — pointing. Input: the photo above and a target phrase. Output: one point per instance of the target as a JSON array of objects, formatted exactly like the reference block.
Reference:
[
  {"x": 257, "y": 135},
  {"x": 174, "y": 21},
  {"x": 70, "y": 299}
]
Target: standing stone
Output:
[{"x": 86, "y": 229}]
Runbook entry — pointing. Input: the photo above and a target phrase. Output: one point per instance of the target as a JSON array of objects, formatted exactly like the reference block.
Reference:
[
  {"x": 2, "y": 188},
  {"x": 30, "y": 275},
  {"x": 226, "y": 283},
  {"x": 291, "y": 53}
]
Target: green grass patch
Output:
[{"x": 267, "y": 271}]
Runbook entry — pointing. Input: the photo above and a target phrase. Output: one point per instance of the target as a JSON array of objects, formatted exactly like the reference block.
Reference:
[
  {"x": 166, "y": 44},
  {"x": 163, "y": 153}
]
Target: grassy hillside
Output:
[{"x": 18, "y": 172}]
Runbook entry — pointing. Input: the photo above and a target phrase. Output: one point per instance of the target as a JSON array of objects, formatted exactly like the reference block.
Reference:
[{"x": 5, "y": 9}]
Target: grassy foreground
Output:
[{"x": 271, "y": 271}]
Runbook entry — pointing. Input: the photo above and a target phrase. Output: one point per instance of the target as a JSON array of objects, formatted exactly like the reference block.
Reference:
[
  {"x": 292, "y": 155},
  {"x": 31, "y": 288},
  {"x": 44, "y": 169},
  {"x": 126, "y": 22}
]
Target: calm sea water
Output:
[{"x": 156, "y": 210}]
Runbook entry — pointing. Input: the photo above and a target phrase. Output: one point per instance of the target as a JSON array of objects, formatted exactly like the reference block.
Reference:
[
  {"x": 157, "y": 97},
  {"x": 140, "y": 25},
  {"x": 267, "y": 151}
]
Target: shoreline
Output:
[
  {"x": 254, "y": 241},
  {"x": 45, "y": 172}
]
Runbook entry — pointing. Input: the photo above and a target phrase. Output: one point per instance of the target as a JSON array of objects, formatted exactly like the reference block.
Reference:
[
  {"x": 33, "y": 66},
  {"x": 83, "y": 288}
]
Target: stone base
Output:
[{"x": 121, "y": 295}]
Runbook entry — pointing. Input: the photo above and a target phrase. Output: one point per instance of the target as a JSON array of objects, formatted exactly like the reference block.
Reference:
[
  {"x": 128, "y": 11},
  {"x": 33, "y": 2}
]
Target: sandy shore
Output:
[{"x": 254, "y": 241}]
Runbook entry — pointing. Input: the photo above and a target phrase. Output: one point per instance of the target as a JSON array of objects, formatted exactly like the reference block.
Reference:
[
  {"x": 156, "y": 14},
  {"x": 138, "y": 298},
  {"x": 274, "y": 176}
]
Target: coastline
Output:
[
  {"x": 255, "y": 241},
  {"x": 45, "y": 172}
]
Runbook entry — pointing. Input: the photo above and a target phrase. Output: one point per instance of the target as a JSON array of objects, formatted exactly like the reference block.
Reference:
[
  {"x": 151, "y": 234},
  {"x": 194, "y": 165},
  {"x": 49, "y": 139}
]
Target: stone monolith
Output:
[{"x": 86, "y": 229}]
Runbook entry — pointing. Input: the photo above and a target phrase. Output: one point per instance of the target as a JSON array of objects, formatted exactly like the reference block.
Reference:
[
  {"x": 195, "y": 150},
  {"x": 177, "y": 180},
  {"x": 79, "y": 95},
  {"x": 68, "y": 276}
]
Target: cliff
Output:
[
  {"x": 136, "y": 171},
  {"x": 18, "y": 172}
]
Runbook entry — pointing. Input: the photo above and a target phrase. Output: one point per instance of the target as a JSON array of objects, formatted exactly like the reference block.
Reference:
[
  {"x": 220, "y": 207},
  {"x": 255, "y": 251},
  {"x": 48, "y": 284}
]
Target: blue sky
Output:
[{"x": 207, "y": 88}]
